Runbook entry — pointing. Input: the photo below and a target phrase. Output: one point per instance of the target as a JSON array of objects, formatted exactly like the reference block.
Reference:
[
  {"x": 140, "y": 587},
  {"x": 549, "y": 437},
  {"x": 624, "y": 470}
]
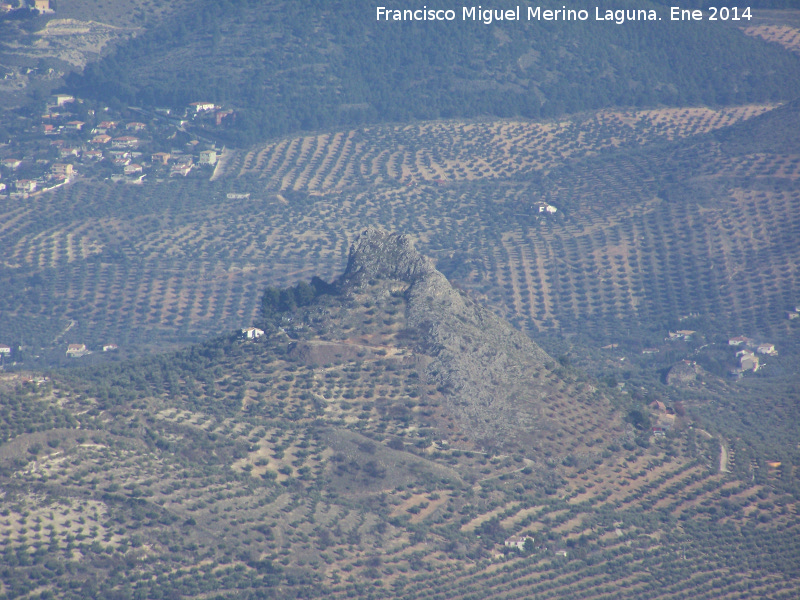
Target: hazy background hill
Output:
[{"x": 287, "y": 66}]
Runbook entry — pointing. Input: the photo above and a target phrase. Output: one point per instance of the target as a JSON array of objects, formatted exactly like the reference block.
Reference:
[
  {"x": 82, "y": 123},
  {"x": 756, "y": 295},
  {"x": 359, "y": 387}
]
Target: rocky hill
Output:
[{"x": 498, "y": 385}]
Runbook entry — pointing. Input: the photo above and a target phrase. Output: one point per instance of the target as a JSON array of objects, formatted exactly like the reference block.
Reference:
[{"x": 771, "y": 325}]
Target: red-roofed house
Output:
[{"x": 76, "y": 350}]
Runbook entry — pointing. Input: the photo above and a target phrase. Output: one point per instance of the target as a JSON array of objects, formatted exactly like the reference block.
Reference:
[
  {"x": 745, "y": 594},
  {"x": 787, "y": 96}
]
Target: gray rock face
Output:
[
  {"x": 377, "y": 254},
  {"x": 683, "y": 373}
]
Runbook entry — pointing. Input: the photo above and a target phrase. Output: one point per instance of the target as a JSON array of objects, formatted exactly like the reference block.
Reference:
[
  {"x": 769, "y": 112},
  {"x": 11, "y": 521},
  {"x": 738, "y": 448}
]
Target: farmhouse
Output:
[
  {"x": 76, "y": 350},
  {"x": 517, "y": 541},
  {"x": 766, "y": 349},
  {"x": 252, "y": 333},
  {"x": 109, "y": 347},
  {"x": 738, "y": 341},
  {"x": 5, "y": 350}
]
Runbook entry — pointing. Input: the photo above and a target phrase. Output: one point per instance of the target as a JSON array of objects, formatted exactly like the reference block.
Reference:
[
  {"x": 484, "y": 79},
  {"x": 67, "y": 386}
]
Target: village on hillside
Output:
[{"x": 73, "y": 141}]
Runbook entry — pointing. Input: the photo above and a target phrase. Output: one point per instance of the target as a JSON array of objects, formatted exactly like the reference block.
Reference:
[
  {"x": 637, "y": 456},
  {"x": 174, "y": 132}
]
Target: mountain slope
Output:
[{"x": 286, "y": 67}]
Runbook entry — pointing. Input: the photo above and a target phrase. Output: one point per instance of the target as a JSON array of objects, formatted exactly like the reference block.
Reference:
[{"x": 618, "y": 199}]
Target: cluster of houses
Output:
[
  {"x": 58, "y": 175},
  {"x": 126, "y": 145},
  {"x": 748, "y": 354}
]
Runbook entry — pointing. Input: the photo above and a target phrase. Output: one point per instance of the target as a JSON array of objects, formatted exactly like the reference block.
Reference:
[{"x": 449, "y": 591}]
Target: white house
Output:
[
  {"x": 5, "y": 350},
  {"x": 208, "y": 157},
  {"x": 517, "y": 541},
  {"x": 202, "y": 106},
  {"x": 76, "y": 350},
  {"x": 62, "y": 99},
  {"x": 252, "y": 333},
  {"x": 544, "y": 207}
]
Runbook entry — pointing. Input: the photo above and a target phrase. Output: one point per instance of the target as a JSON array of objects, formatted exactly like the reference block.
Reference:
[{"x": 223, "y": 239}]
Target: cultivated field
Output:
[{"x": 649, "y": 227}]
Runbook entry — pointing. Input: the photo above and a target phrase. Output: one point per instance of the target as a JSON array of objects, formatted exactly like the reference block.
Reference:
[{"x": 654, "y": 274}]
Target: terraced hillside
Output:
[
  {"x": 320, "y": 461},
  {"x": 172, "y": 261}
]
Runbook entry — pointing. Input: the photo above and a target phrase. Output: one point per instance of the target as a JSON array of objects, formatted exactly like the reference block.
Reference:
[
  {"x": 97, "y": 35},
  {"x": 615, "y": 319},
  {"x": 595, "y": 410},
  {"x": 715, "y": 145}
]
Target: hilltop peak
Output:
[{"x": 378, "y": 254}]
